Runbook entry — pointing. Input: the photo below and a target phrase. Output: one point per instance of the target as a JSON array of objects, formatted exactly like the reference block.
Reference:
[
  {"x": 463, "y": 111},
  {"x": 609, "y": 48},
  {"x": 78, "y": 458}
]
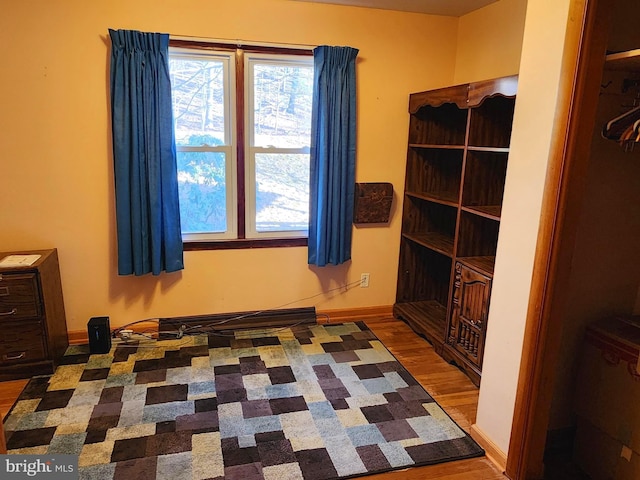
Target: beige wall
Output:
[
  {"x": 540, "y": 70},
  {"x": 490, "y": 41},
  {"x": 57, "y": 181}
]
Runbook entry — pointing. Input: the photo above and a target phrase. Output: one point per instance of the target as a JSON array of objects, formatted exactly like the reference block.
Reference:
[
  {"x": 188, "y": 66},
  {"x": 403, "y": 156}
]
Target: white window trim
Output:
[
  {"x": 251, "y": 149},
  {"x": 229, "y": 148}
]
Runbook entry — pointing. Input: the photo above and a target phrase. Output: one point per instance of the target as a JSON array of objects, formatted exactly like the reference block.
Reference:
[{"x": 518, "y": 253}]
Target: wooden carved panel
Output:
[
  {"x": 372, "y": 202},
  {"x": 470, "y": 308}
]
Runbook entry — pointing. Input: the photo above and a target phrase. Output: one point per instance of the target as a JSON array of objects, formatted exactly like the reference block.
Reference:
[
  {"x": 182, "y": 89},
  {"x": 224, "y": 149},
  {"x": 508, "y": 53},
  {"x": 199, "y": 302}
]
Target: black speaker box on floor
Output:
[{"x": 99, "y": 335}]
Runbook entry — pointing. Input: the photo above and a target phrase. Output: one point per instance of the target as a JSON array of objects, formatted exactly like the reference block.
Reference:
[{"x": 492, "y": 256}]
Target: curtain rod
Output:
[{"x": 240, "y": 43}]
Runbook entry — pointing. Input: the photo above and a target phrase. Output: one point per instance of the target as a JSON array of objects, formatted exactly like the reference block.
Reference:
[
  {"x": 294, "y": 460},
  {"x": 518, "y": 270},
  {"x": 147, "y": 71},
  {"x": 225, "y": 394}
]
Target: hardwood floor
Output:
[
  {"x": 9, "y": 392},
  {"x": 445, "y": 383},
  {"x": 451, "y": 388}
]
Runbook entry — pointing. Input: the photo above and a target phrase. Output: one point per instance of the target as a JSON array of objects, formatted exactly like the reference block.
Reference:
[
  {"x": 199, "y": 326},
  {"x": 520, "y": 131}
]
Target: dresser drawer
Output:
[
  {"x": 22, "y": 343},
  {"x": 19, "y": 296}
]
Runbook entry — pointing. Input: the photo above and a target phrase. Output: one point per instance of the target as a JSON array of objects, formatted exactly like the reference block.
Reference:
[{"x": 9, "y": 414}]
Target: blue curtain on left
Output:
[
  {"x": 333, "y": 155},
  {"x": 144, "y": 153}
]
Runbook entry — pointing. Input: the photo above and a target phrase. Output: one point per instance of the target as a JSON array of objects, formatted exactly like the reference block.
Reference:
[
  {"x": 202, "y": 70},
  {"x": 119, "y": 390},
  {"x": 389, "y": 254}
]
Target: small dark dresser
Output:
[{"x": 33, "y": 328}]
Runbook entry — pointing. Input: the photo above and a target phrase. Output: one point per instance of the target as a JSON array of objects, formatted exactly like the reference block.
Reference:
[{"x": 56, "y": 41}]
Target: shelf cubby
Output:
[
  {"x": 434, "y": 173},
  {"x": 423, "y": 289},
  {"x": 429, "y": 224},
  {"x": 490, "y": 124},
  {"x": 428, "y": 279},
  {"x": 443, "y": 125},
  {"x": 484, "y": 178},
  {"x": 478, "y": 235}
]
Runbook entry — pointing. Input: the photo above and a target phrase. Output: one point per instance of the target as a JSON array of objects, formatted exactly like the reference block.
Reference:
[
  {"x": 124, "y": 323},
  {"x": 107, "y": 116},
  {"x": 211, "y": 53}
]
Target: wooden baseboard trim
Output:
[
  {"x": 78, "y": 337},
  {"x": 354, "y": 314},
  {"x": 493, "y": 452}
]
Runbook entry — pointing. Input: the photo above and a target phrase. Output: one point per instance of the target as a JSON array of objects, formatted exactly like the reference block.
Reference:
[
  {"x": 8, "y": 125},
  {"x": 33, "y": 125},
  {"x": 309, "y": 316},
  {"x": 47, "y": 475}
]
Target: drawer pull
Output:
[
  {"x": 14, "y": 357},
  {"x": 4, "y": 291},
  {"x": 6, "y": 314}
]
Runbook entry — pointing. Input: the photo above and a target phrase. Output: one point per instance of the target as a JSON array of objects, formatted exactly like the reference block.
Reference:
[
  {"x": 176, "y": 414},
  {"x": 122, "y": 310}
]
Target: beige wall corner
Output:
[{"x": 490, "y": 41}]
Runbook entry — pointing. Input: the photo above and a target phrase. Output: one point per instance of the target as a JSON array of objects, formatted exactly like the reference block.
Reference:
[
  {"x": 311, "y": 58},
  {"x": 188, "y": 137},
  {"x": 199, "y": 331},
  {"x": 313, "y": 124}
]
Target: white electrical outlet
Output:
[{"x": 364, "y": 280}]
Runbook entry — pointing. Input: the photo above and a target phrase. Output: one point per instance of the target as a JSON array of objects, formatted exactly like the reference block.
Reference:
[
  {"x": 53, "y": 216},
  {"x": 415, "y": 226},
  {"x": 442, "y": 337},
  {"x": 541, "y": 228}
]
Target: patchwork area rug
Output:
[{"x": 314, "y": 402}]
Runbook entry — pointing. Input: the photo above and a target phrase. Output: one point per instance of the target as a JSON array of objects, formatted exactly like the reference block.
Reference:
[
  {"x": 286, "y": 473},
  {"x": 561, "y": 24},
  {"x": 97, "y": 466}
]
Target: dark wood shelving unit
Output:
[{"x": 457, "y": 157}]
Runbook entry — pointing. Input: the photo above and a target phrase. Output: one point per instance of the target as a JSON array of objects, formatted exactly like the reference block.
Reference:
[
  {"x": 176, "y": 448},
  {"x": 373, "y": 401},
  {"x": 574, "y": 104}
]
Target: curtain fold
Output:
[
  {"x": 146, "y": 183},
  {"x": 333, "y": 153}
]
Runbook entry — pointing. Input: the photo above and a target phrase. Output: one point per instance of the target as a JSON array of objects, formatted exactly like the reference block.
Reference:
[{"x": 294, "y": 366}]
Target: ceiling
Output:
[{"x": 454, "y": 8}]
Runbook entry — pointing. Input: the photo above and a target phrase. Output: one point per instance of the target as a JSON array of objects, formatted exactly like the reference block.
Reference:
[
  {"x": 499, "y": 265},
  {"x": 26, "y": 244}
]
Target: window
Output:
[{"x": 243, "y": 129}]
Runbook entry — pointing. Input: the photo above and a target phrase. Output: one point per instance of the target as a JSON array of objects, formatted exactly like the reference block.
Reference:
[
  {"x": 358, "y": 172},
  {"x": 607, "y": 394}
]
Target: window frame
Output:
[{"x": 239, "y": 130}]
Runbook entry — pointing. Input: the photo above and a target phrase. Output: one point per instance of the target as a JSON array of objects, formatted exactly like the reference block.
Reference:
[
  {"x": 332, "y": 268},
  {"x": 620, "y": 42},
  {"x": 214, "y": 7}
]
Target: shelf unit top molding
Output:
[{"x": 466, "y": 95}]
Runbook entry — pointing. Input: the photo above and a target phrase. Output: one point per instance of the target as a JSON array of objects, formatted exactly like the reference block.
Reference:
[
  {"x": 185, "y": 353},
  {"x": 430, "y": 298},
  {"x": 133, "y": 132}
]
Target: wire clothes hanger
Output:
[
  {"x": 624, "y": 128},
  {"x": 620, "y": 126}
]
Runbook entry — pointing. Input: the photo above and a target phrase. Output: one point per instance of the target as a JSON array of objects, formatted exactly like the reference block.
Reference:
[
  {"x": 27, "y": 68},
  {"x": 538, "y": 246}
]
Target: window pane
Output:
[
  {"x": 282, "y": 192},
  {"x": 197, "y": 87},
  {"x": 202, "y": 189},
  {"x": 282, "y": 105}
]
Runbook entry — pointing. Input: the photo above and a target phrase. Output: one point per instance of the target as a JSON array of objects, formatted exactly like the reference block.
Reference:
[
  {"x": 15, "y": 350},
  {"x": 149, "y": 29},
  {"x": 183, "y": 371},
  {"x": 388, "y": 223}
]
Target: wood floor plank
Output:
[
  {"x": 9, "y": 392},
  {"x": 451, "y": 388}
]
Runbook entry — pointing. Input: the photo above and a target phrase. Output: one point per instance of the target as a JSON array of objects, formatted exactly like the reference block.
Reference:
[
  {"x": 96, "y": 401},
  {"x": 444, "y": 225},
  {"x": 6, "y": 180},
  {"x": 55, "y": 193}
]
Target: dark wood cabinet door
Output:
[{"x": 467, "y": 329}]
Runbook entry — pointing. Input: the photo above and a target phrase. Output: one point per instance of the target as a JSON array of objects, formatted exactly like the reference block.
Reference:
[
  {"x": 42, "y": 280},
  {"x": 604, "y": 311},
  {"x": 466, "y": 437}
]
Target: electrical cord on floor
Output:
[
  {"x": 209, "y": 328},
  {"x": 153, "y": 343},
  {"x": 347, "y": 286},
  {"x": 115, "y": 333}
]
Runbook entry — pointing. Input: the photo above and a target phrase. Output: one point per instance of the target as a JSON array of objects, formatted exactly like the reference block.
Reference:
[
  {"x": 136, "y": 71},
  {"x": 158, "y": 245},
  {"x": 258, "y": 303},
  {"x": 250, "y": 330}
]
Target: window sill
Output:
[{"x": 246, "y": 243}]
